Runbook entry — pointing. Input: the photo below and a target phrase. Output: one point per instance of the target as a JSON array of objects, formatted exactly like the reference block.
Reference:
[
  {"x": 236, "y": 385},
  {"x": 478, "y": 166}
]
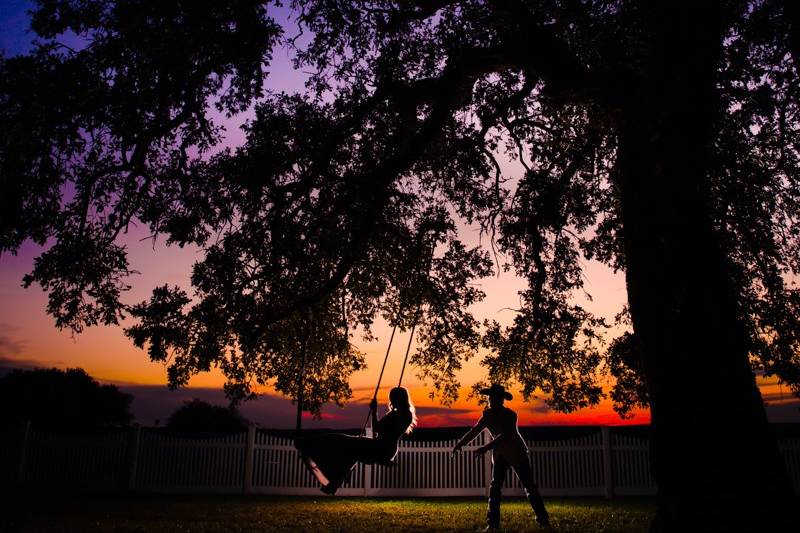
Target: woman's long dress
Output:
[{"x": 330, "y": 457}]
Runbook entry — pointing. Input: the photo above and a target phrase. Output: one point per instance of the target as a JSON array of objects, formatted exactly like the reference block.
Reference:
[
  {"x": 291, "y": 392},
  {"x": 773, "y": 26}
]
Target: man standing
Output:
[{"x": 508, "y": 449}]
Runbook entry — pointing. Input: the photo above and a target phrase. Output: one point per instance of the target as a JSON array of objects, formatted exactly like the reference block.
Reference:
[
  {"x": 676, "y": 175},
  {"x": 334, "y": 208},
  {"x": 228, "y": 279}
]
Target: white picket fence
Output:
[{"x": 601, "y": 463}]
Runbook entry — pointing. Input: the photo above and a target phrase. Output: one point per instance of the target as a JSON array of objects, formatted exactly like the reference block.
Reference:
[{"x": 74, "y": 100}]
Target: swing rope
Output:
[
  {"x": 405, "y": 358},
  {"x": 301, "y": 376},
  {"x": 386, "y": 358},
  {"x": 408, "y": 347},
  {"x": 380, "y": 378}
]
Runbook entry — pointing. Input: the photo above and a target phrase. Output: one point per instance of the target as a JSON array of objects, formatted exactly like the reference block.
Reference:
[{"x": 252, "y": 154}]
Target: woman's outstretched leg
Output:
[{"x": 331, "y": 457}]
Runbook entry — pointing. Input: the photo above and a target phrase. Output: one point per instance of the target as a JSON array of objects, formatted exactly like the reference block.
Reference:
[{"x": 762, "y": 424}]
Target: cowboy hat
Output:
[{"x": 497, "y": 390}]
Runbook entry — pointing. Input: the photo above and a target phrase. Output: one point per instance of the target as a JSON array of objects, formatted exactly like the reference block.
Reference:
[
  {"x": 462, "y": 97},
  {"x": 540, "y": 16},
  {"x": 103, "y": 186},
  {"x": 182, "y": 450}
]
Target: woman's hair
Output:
[{"x": 400, "y": 401}]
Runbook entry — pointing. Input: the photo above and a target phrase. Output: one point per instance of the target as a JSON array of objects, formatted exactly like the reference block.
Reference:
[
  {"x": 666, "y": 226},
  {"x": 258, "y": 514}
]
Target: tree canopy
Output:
[
  {"x": 659, "y": 137},
  {"x": 344, "y": 202},
  {"x": 68, "y": 399}
]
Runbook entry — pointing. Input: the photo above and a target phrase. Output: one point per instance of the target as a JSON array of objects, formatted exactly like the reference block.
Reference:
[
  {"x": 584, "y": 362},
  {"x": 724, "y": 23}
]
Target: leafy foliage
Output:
[
  {"x": 345, "y": 202},
  {"x": 93, "y": 132},
  {"x": 757, "y": 184}
]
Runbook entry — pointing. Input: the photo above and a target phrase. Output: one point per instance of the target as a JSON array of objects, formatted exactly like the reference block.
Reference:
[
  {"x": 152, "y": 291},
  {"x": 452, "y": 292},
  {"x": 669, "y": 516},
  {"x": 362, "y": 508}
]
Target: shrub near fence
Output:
[{"x": 593, "y": 462}]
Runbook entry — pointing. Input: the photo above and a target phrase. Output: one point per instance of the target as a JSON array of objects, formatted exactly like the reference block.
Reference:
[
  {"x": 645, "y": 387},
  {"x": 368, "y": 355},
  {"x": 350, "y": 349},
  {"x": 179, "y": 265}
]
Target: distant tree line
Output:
[{"x": 52, "y": 398}]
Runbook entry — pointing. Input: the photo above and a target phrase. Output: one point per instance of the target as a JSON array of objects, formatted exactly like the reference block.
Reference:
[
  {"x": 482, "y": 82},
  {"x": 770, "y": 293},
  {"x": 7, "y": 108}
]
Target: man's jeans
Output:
[{"x": 523, "y": 471}]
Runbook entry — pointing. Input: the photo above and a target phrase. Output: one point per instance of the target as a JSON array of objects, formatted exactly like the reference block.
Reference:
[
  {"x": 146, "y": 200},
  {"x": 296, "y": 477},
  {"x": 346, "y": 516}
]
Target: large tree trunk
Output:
[{"x": 716, "y": 464}]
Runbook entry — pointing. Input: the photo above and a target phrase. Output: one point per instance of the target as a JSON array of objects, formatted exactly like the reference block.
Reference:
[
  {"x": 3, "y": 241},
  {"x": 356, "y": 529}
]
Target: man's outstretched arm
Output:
[
  {"x": 471, "y": 434},
  {"x": 492, "y": 444}
]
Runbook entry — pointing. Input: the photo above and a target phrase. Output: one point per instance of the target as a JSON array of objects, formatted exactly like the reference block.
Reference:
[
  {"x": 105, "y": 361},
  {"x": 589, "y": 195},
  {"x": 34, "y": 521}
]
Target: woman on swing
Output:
[{"x": 331, "y": 457}]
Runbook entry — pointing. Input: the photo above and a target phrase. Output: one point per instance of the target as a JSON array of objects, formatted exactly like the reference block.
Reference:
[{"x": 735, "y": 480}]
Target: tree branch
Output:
[
  {"x": 543, "y": 55},
  {"x": 791, "y": 10},
  {"x": 444, "y": 94}
]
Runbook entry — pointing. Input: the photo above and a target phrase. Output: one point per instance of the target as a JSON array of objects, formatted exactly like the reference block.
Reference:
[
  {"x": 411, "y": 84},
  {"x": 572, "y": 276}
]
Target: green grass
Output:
[{"x": 54, "y": 513}]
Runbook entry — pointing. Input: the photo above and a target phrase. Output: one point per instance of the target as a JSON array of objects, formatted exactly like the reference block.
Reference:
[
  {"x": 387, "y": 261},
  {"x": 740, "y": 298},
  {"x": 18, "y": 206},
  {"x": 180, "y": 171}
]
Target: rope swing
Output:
[
  {"x": 301, "y": 376},
  {"x": 386, "y": 358},
  {"x": 408, "y": 346},
  {"x": 410, "y": 338},
  {"x": 309, "y": 323}
]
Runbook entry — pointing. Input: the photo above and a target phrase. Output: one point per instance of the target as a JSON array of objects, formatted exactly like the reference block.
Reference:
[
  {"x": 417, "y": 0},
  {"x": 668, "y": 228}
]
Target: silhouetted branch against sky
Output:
[{"x": 416, "y": 120}]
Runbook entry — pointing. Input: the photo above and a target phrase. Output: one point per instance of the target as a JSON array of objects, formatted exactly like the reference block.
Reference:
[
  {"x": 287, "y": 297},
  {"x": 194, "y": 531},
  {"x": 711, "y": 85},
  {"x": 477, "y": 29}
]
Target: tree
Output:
[
  {"x": 66, "y": 399},
  {"x": 660, "y": 138},
  {"x": 199, "y": 416}
]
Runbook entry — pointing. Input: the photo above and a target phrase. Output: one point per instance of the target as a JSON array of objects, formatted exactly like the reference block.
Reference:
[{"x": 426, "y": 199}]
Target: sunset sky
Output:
[{"x": 28, "y": 337}]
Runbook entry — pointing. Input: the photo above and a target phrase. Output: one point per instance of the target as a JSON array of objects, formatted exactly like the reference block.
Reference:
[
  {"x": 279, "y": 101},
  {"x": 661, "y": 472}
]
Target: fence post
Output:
[
  {"x": 487, "y": 462},
  {"x": 368, "y": 467},
  {"x": 23, "y": 452},
  {"x": 249, "y": 458},
  {"x": 608, "y": 471},
  {"x": 133, "y": 456}
]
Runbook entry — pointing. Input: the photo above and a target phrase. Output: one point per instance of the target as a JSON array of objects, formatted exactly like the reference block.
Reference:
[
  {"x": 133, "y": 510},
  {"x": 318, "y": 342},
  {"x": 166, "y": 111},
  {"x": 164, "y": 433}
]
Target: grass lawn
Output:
[{"x": 54, "y": 513}]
